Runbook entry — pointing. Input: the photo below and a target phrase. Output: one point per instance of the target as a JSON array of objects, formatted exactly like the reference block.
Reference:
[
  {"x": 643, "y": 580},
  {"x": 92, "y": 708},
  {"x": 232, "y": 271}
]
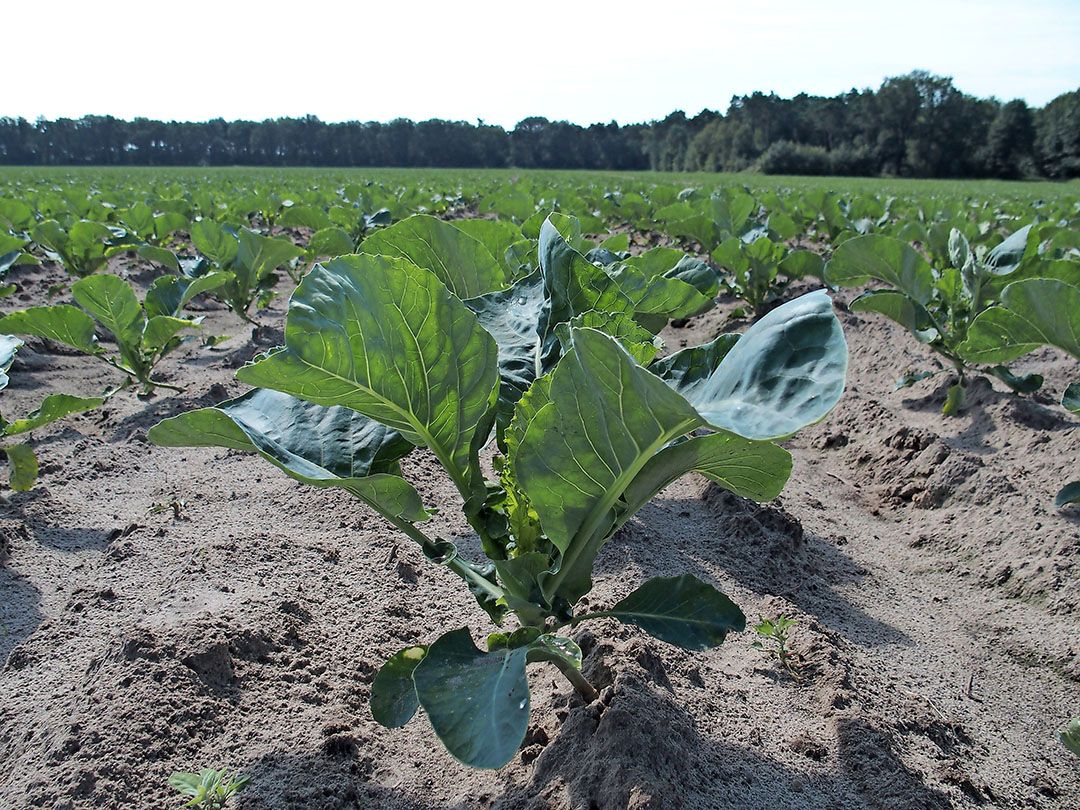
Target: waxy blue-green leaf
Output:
[
  {"x": 1033, "y": 312},
  {"x": 9, "y": 345},
  {"x": 386, "y": 338},
  {"x": 52, "y": 408},
  {"x": 1069, "y": 494},
  {"x": 393, "y": 695},
  {"x": 1070, "y": 399},
  {"x": 690, "y": 368},
  {"x": 459, "y": 261},
  {"x": 318, "y": 446},
  {"x": 1007, "y": 255},
  {"x": 681, "y": 610},
  {"x": 477, "y": 702},
  {"x": 883, "y": 258},
  {"x": 63, "y": 323},
  {"x": 787, "y": 371}
]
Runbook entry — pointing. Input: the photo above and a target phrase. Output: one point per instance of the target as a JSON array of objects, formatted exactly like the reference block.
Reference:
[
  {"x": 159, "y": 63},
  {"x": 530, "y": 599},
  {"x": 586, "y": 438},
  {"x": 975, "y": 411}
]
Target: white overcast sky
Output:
[{"x": 583, "y": 61}]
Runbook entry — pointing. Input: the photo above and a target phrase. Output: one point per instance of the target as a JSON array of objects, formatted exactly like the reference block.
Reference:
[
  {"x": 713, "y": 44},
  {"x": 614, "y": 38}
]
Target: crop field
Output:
[{"x": 533, "y": 489}]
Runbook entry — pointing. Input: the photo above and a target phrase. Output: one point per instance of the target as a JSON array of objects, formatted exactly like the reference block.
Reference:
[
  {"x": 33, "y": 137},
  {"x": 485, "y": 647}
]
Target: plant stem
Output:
[
  {"x": 577, "y": 680},
  {"x": 456, "y": 564}
]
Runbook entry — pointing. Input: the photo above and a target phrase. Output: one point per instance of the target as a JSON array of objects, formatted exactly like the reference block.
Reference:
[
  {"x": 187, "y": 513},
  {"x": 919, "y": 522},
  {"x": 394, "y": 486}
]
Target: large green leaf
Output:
[
  {"x": 113, "y": 303},
  {"x": 459, "y": 261},
  {"x": 690, "y": 368},
  {"x": 168, "y": 295},
  {"x": 257, "y": 256},
  {"x": 1009, "y": 253},
  {"x": 52, "y": 408},
  {"x": 319, "y": 446},
  {"x": 477, "y": 702},
  {"x": 901, "y": 308},
  {"x": 63, "y": 323},
  {"x": 574, "y": 285},
  {"x": 883, "y": 258},
  {"x": 753, "y": 469},
  {"x": 393, "y": 695},
  {"x": 496, "y": 235},
  {"x": 214, "y": 242},
  {"x": 786, "y": 372},
  {"x": 386, "y": 338},
  {"x": 603, "y": 419},
  {"x": 670, "y": 297},
  {"x": 1033, "y": 312},
  {"x": 681, "y": 610}
]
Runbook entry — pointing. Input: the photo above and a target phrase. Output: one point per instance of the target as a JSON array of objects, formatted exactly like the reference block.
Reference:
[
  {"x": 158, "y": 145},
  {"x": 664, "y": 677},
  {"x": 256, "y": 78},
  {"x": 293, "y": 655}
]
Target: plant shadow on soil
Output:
[
  {"x": 20, "y": 611},
  {"x": 760, "y": 545},
  {"x": 639, "y": 750}
]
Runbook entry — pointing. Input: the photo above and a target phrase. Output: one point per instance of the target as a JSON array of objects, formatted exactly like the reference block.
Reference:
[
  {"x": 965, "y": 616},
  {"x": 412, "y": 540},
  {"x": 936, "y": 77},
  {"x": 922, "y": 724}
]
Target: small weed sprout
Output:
[
  {"x": 773, "y": 636},
  {"x": 208, "y": 789}
]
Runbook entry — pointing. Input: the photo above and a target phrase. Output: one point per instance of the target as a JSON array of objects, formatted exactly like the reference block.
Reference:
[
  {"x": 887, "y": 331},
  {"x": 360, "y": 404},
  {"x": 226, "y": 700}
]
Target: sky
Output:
[{"x": 586, "y": 61}]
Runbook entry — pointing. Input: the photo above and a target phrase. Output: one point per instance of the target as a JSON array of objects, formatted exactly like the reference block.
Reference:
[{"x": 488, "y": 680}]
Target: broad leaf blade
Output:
[
  {"x": 63, "y": 323},
  {"x": 1033, "y": 312},
  {"x": 112, "y": 301},
  {"x": 1069, "y": 494},
  {"x": 477, "y": 702},
  {"x": 393, "y": 695},
  {"x": 883, "y": 258},
  {"x": 786, "y": 372},
  {"x": 315, "y": 445},
  {"x": 751, "y": 469},
  {"x": 682, "y": 610},
  {"x": 385, "y": 338},
  {"x": 459, "y": 261},
  {"x": 898, "y": 307},
  {"x": 53, "y": 408}
]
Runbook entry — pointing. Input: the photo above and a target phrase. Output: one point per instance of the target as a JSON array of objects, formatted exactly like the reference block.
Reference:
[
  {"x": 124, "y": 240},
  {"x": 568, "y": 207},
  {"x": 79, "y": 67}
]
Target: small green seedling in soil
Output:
[
  {"x": 773, "y": 639},
  {"x": 208, "y": 789},
  {"x": 144, "y": 331},
  {"x": 427, "y": 343}
]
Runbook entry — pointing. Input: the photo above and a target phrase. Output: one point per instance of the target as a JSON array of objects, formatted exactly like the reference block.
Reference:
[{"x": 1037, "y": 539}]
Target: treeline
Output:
[{"x": 917, "y": 125}]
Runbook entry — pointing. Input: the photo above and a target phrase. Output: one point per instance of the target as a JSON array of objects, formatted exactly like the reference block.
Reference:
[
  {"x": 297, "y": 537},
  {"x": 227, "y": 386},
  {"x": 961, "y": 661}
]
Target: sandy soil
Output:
[{"x": 174, "y": 609}]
